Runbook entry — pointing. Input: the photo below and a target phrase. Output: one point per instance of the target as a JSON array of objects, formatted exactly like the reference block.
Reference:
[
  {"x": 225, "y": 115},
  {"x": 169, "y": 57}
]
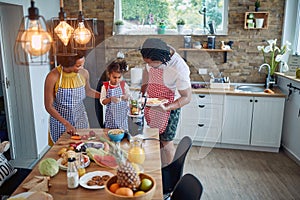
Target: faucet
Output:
[{"x": 268, "y": 81}]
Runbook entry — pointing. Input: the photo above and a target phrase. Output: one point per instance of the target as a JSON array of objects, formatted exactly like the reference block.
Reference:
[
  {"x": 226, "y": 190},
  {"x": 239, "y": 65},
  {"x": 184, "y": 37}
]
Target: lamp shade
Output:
[{"x": 33, "y": 42}]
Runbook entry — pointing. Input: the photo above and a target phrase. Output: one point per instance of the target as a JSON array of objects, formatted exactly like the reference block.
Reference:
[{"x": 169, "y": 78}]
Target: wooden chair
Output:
[
  {"x": 189, "y": 187},
  {"x": 173, "y": 171}
]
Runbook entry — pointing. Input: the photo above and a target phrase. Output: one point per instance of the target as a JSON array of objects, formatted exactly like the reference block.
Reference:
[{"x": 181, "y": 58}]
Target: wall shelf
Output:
[
  {"x": 256, "y": 15},
  {"x": 185, "y": 50}
]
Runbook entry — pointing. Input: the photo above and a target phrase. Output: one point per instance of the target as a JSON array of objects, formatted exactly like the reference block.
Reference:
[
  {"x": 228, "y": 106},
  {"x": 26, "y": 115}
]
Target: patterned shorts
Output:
[{"x": 170, "y": 132}]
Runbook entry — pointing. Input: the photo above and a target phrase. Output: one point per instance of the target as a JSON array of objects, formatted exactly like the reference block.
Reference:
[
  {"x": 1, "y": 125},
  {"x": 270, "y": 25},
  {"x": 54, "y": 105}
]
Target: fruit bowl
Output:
[
  {"x": 146, "y": 196},
  {"x": 116, "y": 135}
]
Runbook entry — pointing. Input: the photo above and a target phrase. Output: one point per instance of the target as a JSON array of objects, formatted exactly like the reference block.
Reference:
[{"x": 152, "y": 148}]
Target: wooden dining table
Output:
[{"x": 58, "y": 183}]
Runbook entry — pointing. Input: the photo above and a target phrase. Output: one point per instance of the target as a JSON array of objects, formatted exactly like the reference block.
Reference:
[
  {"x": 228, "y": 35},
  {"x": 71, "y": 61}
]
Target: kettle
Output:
[{"x": 137, "y": 104}]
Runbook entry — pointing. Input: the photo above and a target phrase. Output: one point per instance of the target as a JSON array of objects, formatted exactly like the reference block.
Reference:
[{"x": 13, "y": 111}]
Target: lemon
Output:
[{"x": 138, "y": 193}]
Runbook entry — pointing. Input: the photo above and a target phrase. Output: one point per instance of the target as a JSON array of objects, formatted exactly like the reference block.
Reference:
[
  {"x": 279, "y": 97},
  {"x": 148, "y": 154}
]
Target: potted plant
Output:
[
  {"x": 257, "y": 5},
  {"x": 161, "y": 28},
  {"x": 119, "y": 26},
  {"x": 180, "y": 23}
]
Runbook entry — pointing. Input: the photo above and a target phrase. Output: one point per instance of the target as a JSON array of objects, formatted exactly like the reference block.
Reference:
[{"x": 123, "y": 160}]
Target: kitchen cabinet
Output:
[
  {"x": 291, "y": 121},
  {"x": 202, "y": 118},
  {"x": 254, "y": 121}
]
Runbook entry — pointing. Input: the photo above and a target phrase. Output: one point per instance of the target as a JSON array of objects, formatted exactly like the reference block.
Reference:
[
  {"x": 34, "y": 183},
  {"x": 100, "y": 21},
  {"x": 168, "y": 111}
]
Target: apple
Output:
[{"x": 146, "y": 184}]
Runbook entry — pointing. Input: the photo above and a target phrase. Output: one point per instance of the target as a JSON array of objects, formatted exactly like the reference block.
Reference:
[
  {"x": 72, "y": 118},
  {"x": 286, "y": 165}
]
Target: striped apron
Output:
[
  {"x": 69, "y": 104},
  {"x": 157, "y": 89}
]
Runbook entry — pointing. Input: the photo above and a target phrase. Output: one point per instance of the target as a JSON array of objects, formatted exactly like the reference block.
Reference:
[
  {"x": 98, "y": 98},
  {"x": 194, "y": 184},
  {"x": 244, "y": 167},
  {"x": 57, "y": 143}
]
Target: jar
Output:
[
  {"x": 72, "y": 174},
  {"x": 136, "y": 153}
]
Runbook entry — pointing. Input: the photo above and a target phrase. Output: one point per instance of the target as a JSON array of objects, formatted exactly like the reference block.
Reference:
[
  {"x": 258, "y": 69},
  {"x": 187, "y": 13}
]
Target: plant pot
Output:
[
  {"x": 180, "y": 28},
  {"x": 161, "y": 30},
  {"x": 256, "y": 9},
  {"x": 119, "y": 29}
]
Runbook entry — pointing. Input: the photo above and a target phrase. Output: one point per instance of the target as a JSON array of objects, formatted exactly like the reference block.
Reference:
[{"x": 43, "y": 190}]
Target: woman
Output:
[
  {"x": 66, "y": 86},
  {"x": 165, "y": 74}
]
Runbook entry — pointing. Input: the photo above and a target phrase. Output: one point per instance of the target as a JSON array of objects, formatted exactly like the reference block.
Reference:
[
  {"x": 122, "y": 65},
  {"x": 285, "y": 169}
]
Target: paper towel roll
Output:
[{"x": 136, "y": 75}]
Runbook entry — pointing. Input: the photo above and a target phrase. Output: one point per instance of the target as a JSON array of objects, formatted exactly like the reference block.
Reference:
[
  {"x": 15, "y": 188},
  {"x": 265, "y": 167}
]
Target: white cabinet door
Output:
[
  {"x": 237, "y": 120},
  {"x": 267, "y": 121},
  {"x": 202, "y": 118}
]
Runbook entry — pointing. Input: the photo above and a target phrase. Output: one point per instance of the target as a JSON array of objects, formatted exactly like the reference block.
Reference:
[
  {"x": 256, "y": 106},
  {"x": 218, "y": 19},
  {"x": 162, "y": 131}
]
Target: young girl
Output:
[{"x": 114, "y": 94}]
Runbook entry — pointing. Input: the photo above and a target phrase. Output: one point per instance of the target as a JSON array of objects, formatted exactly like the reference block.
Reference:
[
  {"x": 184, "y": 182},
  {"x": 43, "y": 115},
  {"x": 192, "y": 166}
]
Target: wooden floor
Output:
[{"x": 244, "y": 175}]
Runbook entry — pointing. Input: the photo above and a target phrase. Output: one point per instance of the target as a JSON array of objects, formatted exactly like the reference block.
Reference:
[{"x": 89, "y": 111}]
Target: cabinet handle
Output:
[
  {"x": 201, "y": 106},
  {"x": 251, "y": 100},
  {"x": 201, "y": 96},
  {"x": 200, "y": 125},
  {"x": 256, "y": 101}
]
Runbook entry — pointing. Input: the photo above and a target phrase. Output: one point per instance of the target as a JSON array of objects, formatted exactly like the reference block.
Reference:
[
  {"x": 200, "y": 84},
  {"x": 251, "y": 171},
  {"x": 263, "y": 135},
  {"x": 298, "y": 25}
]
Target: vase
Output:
[
  {"x": 119, "y": 29},
  {"x": 256, "y": 9},
  {"x": 161, "y": 30},
  {"x": 180, "y": 28}
]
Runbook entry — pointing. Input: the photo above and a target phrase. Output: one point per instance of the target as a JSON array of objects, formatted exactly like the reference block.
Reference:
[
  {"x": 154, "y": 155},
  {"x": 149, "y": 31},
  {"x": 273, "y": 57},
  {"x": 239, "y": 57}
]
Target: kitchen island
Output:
[{"x": 59, "y": 189}]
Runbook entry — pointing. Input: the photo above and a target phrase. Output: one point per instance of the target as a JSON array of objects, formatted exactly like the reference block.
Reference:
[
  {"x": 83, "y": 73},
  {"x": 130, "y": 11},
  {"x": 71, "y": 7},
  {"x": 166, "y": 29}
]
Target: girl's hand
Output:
[
  {"x": 115, "y": 99},
  {"x": 125, "y": 97}
]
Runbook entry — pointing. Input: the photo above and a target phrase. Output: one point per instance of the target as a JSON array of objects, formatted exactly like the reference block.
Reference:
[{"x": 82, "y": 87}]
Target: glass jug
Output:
[{"x": 136, "y": 153}]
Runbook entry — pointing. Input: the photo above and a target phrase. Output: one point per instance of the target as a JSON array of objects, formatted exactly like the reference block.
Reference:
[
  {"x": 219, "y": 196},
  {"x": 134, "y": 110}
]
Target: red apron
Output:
[{"x": 157, "y": 89}]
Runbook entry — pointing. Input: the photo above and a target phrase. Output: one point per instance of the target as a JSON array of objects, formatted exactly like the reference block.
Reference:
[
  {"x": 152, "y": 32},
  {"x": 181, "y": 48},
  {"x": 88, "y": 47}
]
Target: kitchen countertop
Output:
[
  {"x": 233, "y": 91},
  {"x": 229, "y": 91},
  {"x": 287, "y": 76}
]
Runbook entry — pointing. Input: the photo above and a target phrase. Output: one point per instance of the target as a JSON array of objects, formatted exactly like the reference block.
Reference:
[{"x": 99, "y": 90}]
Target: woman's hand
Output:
[{"x": 70, "y": 129}]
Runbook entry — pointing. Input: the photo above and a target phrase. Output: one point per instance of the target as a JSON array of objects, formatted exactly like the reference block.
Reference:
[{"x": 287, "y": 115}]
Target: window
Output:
[{"x": 201, "y": 17}]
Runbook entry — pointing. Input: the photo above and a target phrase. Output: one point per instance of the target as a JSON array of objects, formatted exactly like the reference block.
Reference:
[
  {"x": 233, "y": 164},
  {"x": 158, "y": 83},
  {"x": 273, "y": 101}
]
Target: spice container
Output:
[{"x": 72, "y": 174}]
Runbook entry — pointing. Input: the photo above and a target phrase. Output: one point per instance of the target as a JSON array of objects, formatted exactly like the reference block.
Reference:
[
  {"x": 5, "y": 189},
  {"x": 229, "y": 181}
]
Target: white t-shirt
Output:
[{"x": 176, "y": 73}]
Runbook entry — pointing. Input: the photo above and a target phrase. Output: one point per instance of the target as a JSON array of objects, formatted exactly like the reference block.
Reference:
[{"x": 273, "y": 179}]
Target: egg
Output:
[{"x": 124, "y": 191}]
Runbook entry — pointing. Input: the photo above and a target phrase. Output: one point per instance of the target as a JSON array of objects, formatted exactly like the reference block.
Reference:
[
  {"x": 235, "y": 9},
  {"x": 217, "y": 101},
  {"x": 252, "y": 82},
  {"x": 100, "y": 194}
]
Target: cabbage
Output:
[{"x": 48, "y": 167}]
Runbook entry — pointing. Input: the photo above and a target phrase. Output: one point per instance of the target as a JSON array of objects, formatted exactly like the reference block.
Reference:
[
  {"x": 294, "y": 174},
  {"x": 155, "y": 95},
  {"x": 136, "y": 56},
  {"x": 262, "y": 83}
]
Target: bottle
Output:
[
  {"x": 72, "y": 174},
  {"x": 80, "y": 167}
]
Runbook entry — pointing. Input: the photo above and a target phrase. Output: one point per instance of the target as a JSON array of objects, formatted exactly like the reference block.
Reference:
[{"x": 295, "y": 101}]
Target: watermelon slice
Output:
[{"x": 106, "y": 161}]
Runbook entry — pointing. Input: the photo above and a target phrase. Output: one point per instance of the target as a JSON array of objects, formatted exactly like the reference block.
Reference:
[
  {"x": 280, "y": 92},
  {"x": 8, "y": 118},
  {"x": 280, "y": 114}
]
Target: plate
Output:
[
  {"x": 88, "y": 176},
  {"x": 96, "y": 145},
  {"x": 156, "y": 101},
  {"x": 63, "y": 167}
]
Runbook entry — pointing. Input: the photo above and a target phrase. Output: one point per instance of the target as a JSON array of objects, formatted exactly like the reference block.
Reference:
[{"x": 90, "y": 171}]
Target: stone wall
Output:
[{"x": 242, "y": 64}]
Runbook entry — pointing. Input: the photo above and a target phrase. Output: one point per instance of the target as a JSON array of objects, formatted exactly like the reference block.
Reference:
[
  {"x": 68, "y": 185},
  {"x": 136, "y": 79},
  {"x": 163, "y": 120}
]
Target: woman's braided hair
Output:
[{"x": 156, "y": 50}]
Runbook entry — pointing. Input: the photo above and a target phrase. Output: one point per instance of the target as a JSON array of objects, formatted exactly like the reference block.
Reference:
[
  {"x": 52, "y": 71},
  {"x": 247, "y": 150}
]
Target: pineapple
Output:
[{"x": 127, "y": 176}]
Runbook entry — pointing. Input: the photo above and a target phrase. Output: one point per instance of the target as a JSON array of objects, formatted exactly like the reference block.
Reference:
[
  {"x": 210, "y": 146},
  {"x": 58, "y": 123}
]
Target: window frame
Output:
[{"x": 146, "y": 30}]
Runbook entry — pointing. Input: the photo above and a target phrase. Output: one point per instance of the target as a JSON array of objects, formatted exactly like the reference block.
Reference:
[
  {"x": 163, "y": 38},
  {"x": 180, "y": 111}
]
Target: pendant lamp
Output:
[
  {"x": 63, "y": 35},
  {"x": 33, "y": 41},
  {"x": 83, "y": 34}
]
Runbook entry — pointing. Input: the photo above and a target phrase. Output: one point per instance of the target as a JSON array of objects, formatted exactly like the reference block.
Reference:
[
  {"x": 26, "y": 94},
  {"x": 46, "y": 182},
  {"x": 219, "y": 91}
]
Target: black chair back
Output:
[
  {"x": 189, "y": 187},
  {"x": 173, "y": 172}
]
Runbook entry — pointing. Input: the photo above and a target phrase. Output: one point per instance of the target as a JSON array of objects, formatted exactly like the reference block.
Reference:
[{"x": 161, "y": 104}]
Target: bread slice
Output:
[
  {"x": 40, "y": 196},
  {"x": 37, "y": 182},
  {"x": 42, "y": 186}
]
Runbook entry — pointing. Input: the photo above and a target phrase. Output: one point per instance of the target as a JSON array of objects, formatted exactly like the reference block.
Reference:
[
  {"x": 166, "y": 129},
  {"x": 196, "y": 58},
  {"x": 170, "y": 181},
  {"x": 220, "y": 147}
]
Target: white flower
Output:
[{"x": 273, "y": 55}]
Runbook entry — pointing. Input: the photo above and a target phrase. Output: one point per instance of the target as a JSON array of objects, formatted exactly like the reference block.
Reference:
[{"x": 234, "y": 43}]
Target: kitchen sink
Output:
[{"x": 250, "y": 88}]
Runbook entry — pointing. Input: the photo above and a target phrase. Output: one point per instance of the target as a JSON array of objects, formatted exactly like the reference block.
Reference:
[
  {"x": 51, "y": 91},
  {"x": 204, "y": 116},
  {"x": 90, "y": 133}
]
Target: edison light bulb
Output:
[
  {"x": 35, "y": 40},
  {"x": 82, "y": 35},
  {"x": 64, "y": 32}
]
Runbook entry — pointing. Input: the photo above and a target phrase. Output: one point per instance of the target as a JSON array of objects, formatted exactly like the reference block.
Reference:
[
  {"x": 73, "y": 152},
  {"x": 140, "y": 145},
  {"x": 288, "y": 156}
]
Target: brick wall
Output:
[{"x": 242, "y": 64}]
